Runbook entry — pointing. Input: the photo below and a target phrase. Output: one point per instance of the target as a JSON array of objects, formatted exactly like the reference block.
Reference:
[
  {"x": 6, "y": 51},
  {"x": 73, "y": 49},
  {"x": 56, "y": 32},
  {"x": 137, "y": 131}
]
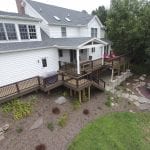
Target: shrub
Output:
[
  {"x": 86, "y": 111},
  {"x": 50, "y": 126},
  {"x": 17, "y": 108},
  {"x": 56, "y": 110},
  {"x": 76, "y": 104},
  {"x": 40, "y": 147},
  {"x": 19, "y": 130},
  {"x": 63, "y": 120},
  {"x": 108, "y": 102}
]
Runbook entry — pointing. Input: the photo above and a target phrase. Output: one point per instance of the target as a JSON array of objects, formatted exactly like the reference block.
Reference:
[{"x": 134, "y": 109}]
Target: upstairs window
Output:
[
  {"x": 93, "y": 50},
  {"x": 27, "y": 32},
  {"x": 11, "y": 31},
  {"x": 32, "y": 32},
  {"x": 44, "y": 62},
  {"x": 93, "y": 32},
  {"x": 63, "y": 31},
  {"x": 23, "y": 32},
  {"x": 2, "y": 32}
]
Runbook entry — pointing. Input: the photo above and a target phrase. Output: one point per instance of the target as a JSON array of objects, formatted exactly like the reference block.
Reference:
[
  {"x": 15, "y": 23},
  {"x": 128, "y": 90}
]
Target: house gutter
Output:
[{"x": 20, "y": 18}]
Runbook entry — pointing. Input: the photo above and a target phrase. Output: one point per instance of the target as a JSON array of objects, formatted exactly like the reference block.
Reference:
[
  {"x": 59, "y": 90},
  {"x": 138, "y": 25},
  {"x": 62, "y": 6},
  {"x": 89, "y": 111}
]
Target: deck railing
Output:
[
  {"x": 85, "y": 66},
  {"x": 19, "y": 88}
]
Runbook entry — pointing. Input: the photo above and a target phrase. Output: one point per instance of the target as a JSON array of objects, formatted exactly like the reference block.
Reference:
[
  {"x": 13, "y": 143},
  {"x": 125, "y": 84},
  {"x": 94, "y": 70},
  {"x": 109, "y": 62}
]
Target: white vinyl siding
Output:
[{"x": 22, "y": 65}]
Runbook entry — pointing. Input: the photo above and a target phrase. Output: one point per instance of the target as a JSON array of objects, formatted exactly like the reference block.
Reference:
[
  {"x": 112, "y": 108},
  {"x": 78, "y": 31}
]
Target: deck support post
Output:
[
  {"x": 78, "y": 61},
  {"x": 89, "y": 93},
  {"x": 112, "y": 74},
  {"x": 71, "y": 93},
  {"x": 80, "y": 96}
]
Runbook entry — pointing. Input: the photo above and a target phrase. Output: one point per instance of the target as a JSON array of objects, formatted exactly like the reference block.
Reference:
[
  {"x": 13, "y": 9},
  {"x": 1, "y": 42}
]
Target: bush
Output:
[
  {"x": 76, "y": 104},
  {"x": 108, "y": 102},
  {"x": 50, "y": 126},
  {"x": 19, "y": 130},
  {"x": 86, "y": 111},
  {"x": 18, "y": 108},
  {"x": 56, "y": 110},
  {"x": 63, "y": 120},
  {"x": 40, "y": 147}
]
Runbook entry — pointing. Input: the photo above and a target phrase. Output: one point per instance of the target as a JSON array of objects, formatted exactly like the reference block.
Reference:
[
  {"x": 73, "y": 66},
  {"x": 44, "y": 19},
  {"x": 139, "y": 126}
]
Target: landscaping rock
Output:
[
  {"x": 144, "y": 107},
  {"x": 127, "y": 84},
  {"x": 37, "y": 124},
  {"x": 136, "y": 80},
  {"x": 2, "y": 137},
  {"x": 142, "y": 78},
  {"x": 131, "y": 111},
  {"x": 112, "y": 104},
  {"x": 1, "y": 131},
  {"x": 61, "y": 100},
  {"x": 5, "y": 127},
  {"x": 134, "y": 97},
  {"x": 136, "y": 103},
  {"x": 143, "y": 100}
]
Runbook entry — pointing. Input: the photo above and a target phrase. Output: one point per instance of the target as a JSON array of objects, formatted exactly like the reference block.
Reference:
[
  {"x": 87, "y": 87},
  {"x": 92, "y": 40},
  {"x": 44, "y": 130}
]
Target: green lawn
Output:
[{"x": 117, "y": 131}]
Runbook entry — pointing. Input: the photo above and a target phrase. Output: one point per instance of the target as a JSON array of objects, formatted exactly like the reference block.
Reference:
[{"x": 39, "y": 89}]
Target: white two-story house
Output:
[{"x": 41, "y": 38}]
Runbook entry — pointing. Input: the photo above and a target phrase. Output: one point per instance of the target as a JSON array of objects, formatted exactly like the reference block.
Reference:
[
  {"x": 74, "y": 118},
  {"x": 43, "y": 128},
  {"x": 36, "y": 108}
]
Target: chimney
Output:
[{"x": 20, "y": 6}]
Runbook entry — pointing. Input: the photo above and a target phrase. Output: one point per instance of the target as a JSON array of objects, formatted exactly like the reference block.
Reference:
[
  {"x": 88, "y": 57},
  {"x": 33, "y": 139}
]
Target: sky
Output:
[{"x": 88, "y": 5}]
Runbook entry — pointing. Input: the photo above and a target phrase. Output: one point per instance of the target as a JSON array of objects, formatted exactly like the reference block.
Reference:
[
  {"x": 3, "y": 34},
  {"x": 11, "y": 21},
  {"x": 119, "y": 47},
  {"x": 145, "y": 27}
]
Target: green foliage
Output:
[
  {"x": 50, "y": 126},
  {"x": 19, "y": 109},
  {"x": 62, "y": 121},
  {"x": 116, "y": 131},
  {"x": 19, "y": 130},
  {"x": 76, "y": 104},
  {"x": 101, "y": 12},
  {"x": 108, "y": 102},
  {"x": 128, "y": 26},
  {"x": 141, "y": 69}
]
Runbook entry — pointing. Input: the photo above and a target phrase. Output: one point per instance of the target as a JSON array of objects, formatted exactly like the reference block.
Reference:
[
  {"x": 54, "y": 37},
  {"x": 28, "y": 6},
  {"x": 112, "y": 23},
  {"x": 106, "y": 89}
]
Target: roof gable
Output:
[{"x": 48, "y": 12}]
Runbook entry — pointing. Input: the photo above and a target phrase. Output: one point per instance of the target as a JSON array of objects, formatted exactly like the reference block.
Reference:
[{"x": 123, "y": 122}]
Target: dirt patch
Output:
[{"x": 59, "y": 138}]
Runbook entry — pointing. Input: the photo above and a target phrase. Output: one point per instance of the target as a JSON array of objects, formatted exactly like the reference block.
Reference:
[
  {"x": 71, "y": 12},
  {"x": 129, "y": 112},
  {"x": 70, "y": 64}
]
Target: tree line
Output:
[{"x": 128, "y": 27}]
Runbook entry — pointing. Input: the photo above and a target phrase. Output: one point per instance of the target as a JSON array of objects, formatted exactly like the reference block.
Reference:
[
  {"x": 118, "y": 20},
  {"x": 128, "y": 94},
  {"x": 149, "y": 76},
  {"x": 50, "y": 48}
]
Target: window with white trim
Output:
[
  {"x": 63, "y": 31},
  {"x": 93, "y": 32},
  {"x": 7, "y": 31},
  {"x": 27, "y": 31},
  {"x": 23, "y": 31},
  {"x": 32, "y": 32},
  {"x": 93, "y": 50},
  {"x": 2, "y": 32},
  {"x": 44, "y": 62},
  {"x": 11, "y": 31}
]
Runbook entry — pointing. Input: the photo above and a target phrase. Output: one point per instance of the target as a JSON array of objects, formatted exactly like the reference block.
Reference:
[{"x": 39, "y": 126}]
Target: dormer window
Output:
[
  {"x": 7, "y": 32},
  {"x": 27, "y": 32},
  {"x": 11, "y": 31},
  {"x": 57, "y": 18},
  {"x": 67, "y": 19},
  {"x": 2, "y": 32}
]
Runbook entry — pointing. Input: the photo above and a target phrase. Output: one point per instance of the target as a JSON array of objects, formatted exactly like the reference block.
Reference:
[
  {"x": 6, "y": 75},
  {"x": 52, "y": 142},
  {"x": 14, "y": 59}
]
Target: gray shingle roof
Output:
[
  {"x": 45, "y": 43},
  {"x": 12, "y": 14},
  {"x": 49, "y": 11}
]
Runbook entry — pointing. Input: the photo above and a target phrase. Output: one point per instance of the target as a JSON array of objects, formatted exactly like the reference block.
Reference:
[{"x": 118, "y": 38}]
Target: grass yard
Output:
[{"x": 116, "y": 131}]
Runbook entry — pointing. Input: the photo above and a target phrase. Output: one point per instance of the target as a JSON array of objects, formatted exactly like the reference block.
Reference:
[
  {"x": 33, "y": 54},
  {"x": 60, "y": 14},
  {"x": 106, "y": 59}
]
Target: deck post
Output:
[
  {"x": 80, "y": 96},
  {"x": 112, "y": 74},
  {"x": 71, "y": 93},
  {"x": 78, "y": 61},
  {"x": 89, "y": 93}
]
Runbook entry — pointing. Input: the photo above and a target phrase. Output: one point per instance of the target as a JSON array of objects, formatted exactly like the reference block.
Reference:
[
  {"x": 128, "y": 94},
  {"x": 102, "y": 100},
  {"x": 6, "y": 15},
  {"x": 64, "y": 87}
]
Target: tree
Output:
[
  {"x": 101, "y": 12},
  {"x": 128, "y": 26}
]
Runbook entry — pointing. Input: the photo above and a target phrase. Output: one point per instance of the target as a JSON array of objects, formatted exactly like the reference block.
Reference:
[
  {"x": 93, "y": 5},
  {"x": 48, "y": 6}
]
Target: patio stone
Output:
[
  {"x": 37, "y": 123},
  {"x": 61, "y": 100},
  {"x": 134, "y": 97},
  {"x": 5, "y": 127}
]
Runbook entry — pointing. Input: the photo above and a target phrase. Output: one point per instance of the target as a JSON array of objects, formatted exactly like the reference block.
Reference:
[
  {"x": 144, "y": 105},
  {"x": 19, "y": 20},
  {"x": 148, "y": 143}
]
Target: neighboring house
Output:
[{"x": 43, "y": 39}]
